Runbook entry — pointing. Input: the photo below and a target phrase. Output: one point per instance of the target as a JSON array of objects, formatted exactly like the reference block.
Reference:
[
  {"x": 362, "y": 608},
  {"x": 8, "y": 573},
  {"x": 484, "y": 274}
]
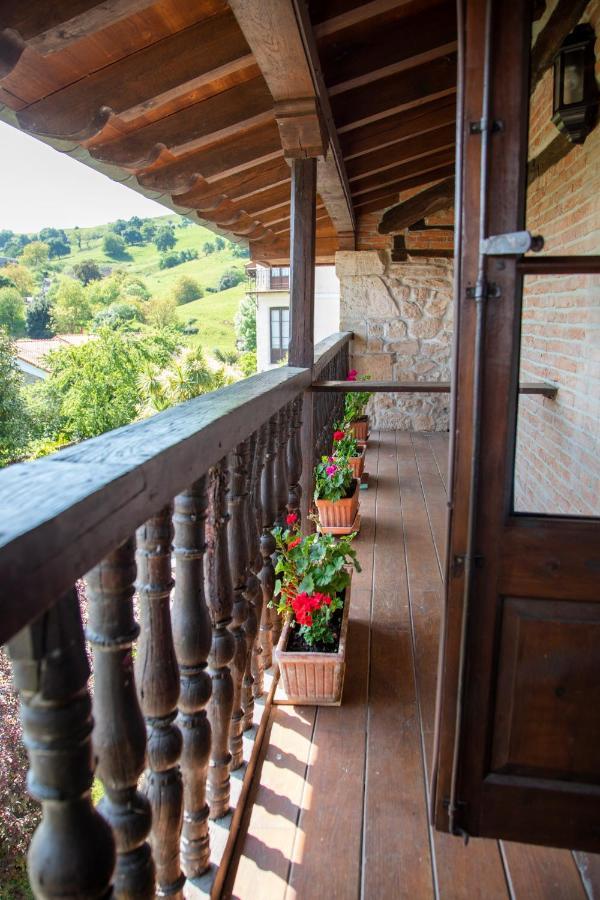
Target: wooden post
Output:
[{"x": 302, "y": 302}]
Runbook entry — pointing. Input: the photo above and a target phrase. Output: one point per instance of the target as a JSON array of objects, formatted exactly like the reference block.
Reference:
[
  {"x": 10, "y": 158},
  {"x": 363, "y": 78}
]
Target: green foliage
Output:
[
  {"x": 94, "y": 388},
  {"x": 72, "y": 309},
  {"x": 355, "y": 403},
  {"x": 186, "y": 290},
  {"x": 229, "y": 357},
  {"x": 170, "y": 260},
  {"x": 117, "y": 315},
  {"x": 245, "y": 323},
  {"x": 165, "y": 238},
  {"x": 315, "y": 562},
  {"x": 345, "y": 445},
  {"x": 240, "y": 251},
  {"x": 12, "y": 311},
  {"x": 39, "y": 320},
  {"x": 230, "y": 278},
  {"x": 219, "y": 243},
  {"x": 35, "y": 255},
  {"x": 132, "y": 235},
  {"x": 161, "y": 312},
  {"x": 86, "y": 271},
  {"x": 114, "y": 246},
  {"x": 187, "y": 377},
  {"x": 248, "y": 363},
  {"x": 21, "y": 278},
  {"x": 13, "y": 413},
  {"x": 333, "y": 478},
  {"x": 148, "y": 231},
  {"x": 208, "y": 248}
]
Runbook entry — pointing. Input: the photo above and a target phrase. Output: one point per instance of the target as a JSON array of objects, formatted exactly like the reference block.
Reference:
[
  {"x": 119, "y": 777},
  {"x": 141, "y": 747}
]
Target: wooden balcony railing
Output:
[{"x": 173, "y": 693}]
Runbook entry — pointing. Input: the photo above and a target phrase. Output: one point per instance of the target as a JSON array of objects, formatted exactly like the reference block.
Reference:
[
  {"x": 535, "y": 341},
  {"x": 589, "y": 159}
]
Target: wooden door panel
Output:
[{"x": 547, "y": 718}]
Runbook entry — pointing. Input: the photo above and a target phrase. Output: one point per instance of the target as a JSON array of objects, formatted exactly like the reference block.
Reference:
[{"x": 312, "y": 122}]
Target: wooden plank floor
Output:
[{"x": 339, "y": 805}]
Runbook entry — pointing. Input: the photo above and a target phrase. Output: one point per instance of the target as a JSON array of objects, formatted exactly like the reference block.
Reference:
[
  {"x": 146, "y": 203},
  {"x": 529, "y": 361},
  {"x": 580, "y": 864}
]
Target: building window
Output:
[
  {"x": 280, "y": 278},
  {"x": 280, "y": 332}
]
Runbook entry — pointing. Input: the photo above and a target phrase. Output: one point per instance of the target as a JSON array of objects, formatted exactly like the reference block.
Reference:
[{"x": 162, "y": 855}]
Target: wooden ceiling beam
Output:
[
  {"x": 399, "y": 127},
  {"x": 244, "y": 184},
  {"x": 371, "y": 199},
  {"x": 260, "y": 145},
  {"x": 397, "y": 174},
  {"x": 405, "y": 151},
  {"x": 227, "y": 114},
  {"x": 419, "y": 85},
  {"x": 144, "y": 80},
  {"x": 49, "y": 26},
  {"x": 434, "y": 199},
  {"x": 357, "y": 15},
  {"x": 385, "y": 46},
  {"x": 290, "y": 65}
]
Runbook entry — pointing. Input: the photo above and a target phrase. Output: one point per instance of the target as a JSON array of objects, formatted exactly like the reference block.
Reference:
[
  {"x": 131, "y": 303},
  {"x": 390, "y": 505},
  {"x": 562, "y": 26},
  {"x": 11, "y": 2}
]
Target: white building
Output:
[{"x": 273, "y": 310}]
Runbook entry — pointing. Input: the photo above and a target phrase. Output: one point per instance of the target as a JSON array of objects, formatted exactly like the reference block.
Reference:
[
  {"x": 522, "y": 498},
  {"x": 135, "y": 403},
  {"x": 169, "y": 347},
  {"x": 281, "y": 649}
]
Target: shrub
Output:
[
  {"x": 35, "y": 254},
  {"x": 169, "y": 261},
  {"x": 165, "y": 238},
  {"x": 40, "y": 323},
  {"x": 186, "y": 290},
  {"x": 208, "y": 248},
  {"x": 114, "y": 246},
  {"x": 12, "y": 311},
  {"x": 229, "y": 357},
  {"x": 13, "y": 416},
  {"x": 245, "y": 323},
  {"x": 87, "y": 270},
  {"x": 117, "y": 315},
  {"x": 230, "y": 278},
  {"x": 248, "y": 363}
]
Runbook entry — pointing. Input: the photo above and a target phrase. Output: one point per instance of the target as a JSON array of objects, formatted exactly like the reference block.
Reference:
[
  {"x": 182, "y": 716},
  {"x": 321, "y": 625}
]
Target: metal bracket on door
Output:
[{"x": 514, "y": 243}]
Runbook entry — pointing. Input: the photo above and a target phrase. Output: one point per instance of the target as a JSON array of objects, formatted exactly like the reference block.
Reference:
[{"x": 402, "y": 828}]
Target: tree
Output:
[
  {"x": 160, "y": 312},
  {"x": 245, "y": 323},
  {"x": 87, "y": 270},
  {"x": 35, "y": 255},
  {"x": 186, "y": 377},
  {"x": 240, "y": 251},
  {"x": 5, "y": 237},
  {"x": 165, "y": 238},
  {"x": 117, "y": 315},
  {"x": 186, "y": 289},
  {"x": 230, "y": 278},
  {"x": 132, "y": 235},
  {"x": 57, "y": 241},
  {"x": 78, "y": 236},
  {"x": 208, "y": 248},
  {"x": 114, "y": 246},
  {"x": 13, "y": 414},
  {"x": 12, "y": 311},
  {"x": 94, "y": 388},
  {"x": 21, "y": 278},
  {"x": 148, "y": 231},
  {"x": 39, "y": 319},
  {"x": 72, "y": 310},
  {"x": 219, "y": 243}
]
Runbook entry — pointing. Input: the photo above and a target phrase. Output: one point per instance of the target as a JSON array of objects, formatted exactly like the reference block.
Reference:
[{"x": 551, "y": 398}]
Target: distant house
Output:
[
  {"x": 272, "y": 291},
  {"x": 31, "y": 353}
]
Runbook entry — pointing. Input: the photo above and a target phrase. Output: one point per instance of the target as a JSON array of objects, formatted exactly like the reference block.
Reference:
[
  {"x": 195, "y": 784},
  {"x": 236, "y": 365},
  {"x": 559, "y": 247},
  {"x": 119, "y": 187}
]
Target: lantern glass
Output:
[{"x": 573, "y": 76}]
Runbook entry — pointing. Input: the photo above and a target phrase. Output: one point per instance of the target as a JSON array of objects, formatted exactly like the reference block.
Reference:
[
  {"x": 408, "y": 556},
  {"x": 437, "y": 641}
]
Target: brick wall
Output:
[
  {"x": 558, "y": 441},
  {"x": 401, "y": 316}
]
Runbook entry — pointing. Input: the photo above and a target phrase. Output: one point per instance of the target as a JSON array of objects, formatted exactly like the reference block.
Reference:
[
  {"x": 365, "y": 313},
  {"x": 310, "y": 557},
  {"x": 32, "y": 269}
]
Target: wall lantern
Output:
[{"x": 575, "y": 104}]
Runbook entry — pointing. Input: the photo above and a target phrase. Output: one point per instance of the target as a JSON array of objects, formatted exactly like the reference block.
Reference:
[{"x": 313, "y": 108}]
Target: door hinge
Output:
[{"x": 513, "y": 243}]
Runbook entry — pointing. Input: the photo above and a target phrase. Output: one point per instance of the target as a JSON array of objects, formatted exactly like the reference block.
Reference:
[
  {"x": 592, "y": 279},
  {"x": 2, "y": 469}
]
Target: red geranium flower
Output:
[
  {"x": 294, "y": 543},
  {"x": 338, "y": 435},
  {"x": 291, "y": 519}
]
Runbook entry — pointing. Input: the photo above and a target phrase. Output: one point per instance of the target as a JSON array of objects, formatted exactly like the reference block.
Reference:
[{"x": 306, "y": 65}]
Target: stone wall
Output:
[{"x": 401, "y": 316}]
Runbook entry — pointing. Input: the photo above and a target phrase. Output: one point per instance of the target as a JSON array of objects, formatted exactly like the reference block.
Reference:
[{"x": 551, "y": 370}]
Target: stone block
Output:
[
  {"x": 366, "y": 296},
  {"x": 352, "y": 263},
  {"x": 410, "y": 310},
  {"x": 377, "y": 365},
  {"x": 404, "y": 348},
  {"x": 357, "y": 326},
  {"x": 395, "y": 329},
  {"x": 425, "y": 328},
  {"x": 375, "y": 329}
]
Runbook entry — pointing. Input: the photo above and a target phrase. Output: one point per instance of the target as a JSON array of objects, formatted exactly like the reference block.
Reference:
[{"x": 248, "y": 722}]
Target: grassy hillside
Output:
[{"x": 214, "y": 314}]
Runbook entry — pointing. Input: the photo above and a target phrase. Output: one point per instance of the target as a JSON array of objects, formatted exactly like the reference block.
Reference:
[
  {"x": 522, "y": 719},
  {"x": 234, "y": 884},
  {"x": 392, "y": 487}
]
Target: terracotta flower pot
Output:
[
  {"x": 357, "y": 464},
  {"x": 313, "y": 678},
  {"x": 339, "y": 513},
  {"x": 360, "y": 429}
]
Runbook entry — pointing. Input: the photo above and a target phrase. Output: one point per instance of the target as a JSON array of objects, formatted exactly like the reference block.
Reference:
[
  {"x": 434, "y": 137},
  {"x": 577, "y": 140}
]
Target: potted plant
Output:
[
  {"x": 355, "y": 404},
  {"x": 313, "y": 593},
  {"x": 336, "y": 496},
  {"x": 346, "y": 446}
]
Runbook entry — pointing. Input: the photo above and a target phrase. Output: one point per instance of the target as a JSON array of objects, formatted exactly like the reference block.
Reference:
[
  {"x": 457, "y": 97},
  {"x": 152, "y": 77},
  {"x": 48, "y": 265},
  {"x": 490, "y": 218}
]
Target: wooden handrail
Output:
[
  {"x": 328, "y": 348},
  {"x": 63, "y": 513},
  {"x": 419, "y": 387}
]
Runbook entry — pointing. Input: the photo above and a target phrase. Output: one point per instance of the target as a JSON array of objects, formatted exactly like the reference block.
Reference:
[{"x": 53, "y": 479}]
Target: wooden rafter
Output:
[
  {"x": 397, "y": 174},
  {"x": 439, "y": 196},
  {"x": 401, "y": 152}
]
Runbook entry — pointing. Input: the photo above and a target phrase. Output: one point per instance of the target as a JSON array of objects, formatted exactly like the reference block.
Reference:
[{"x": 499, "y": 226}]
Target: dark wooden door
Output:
[{"x": 518, "y": 726}]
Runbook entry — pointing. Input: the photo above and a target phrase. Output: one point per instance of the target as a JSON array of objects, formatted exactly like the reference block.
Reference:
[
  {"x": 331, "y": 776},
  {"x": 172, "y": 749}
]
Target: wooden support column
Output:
[{"x": 302, "y": 302}]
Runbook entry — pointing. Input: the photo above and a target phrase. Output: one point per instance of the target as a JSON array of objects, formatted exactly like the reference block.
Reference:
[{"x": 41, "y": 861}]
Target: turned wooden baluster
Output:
[
  {"x": 192, "y": 636},
  {"x": 257, "y": 674},
  {"x": 219, "y": 594},
  {"x": 294, "y": 459},
  {"x": 72, "y": 853},
  {"x": 281, "y": 472},
  {"x": 237, "y": 502},
  {"x": 267, "y": 541},
  {"x": 252, "y": 589},
  {"x": 158, "y": 686},
  {"x": 119, "y": 732}
]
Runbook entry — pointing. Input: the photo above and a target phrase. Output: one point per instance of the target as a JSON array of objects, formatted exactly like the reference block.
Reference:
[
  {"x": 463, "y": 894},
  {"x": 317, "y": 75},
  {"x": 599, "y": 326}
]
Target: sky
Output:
[{"x": 39, "y": 187}]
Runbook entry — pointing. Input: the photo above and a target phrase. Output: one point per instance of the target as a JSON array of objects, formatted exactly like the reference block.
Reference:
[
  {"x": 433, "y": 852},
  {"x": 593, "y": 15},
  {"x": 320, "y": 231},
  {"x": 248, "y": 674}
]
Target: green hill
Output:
[{"x": 214, "y": 313}]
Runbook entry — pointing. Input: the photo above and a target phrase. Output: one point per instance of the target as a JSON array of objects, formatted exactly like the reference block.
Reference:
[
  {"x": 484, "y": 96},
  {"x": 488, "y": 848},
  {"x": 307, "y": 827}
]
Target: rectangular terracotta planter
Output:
[
  {"x": 357, "y": 464},
  {"x": 315, "y": 679},
  {"x": 360, "y": 429},
  {"x": 339, "y": 513}
]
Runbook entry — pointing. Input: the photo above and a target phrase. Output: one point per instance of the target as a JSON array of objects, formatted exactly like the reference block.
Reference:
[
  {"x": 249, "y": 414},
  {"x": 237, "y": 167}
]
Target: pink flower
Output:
[
  {"x": 331, "y": 470},
  {"x": 338, "y": 435},
  {"x": 352, "y": 375},
  {"x": 291, "y": 519}
]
